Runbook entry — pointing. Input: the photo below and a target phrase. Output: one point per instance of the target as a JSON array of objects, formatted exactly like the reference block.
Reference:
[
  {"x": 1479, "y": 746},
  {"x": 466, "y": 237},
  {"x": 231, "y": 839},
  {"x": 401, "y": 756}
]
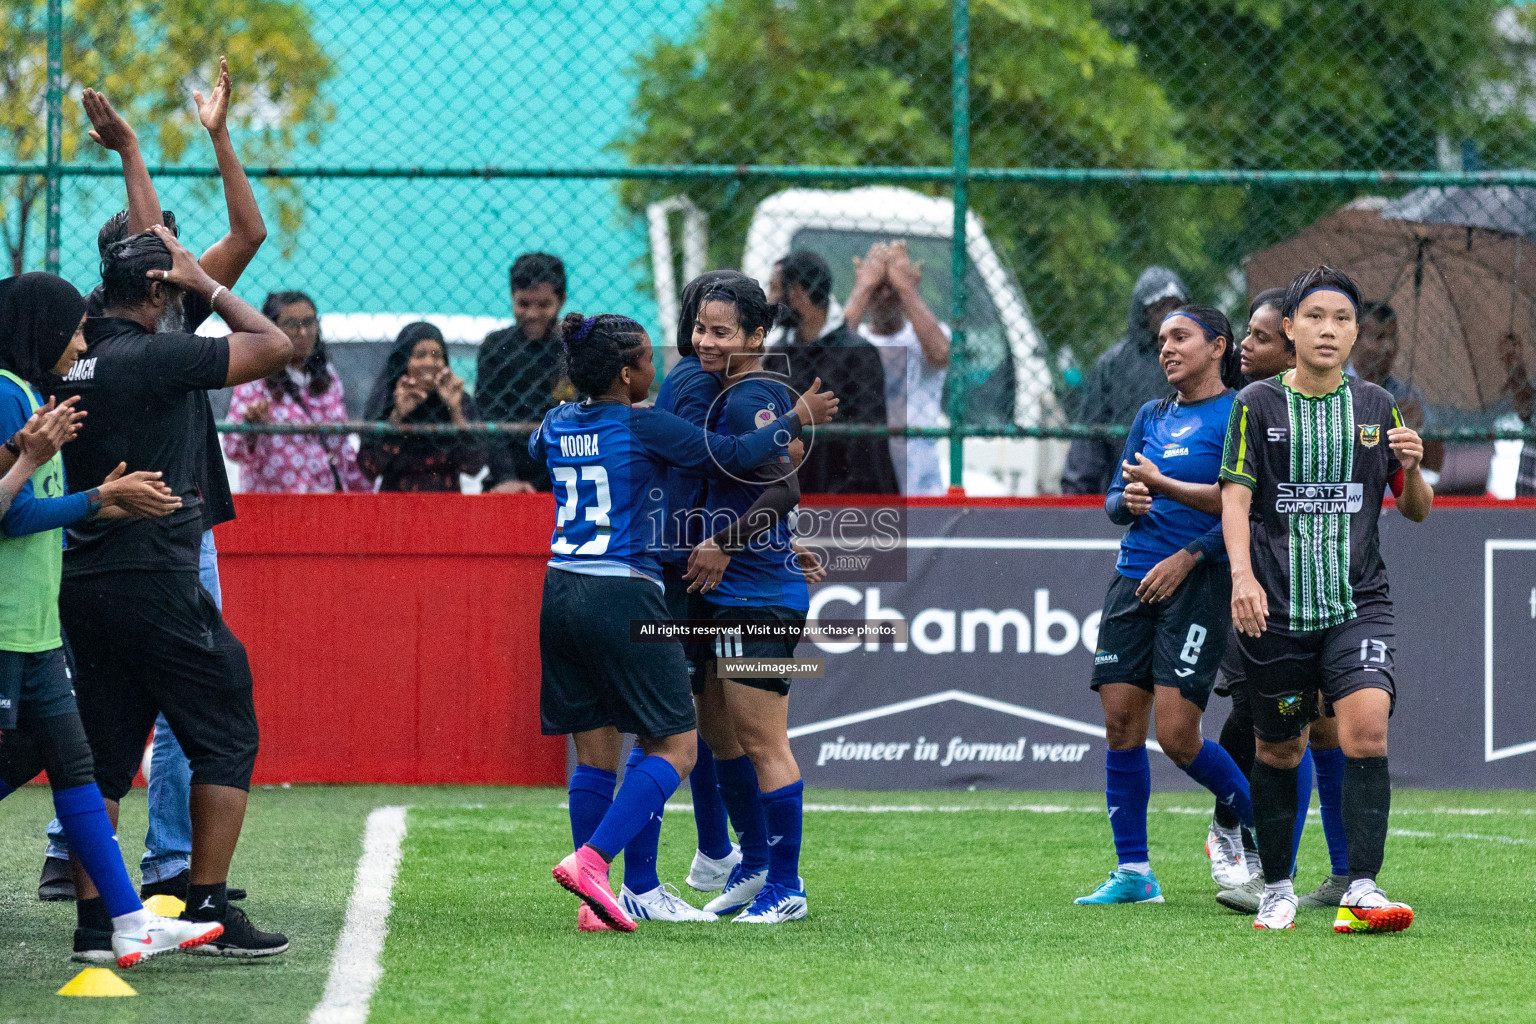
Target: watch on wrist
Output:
[{"x": 12, "y": 447}]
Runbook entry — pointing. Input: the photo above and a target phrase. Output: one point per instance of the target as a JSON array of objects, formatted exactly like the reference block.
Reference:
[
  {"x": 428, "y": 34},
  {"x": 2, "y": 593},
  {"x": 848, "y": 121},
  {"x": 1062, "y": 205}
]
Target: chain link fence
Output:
[{"x": 405, "y": 153}]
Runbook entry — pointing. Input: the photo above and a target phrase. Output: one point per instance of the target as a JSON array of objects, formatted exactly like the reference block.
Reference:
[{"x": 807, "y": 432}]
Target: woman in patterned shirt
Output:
[{"x": 307, "y": 390}]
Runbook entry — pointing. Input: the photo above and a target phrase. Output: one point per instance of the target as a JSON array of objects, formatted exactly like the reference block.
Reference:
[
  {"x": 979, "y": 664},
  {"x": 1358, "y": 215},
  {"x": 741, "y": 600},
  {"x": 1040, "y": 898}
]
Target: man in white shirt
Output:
[{"x": 914, "y": 349}]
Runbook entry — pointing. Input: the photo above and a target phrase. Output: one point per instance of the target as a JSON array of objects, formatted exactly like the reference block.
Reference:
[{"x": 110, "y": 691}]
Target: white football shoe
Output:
[
  {"x": 739, "y": 891},
  {"x": 707, "y": 874},
  {"x": 662, "y": 903},
  {"x": 775, "y": 904},
  {"x": 1229, "y": 868},
  {"x": 161, "y": 935},
  {"x": 1277, "y": 910}
]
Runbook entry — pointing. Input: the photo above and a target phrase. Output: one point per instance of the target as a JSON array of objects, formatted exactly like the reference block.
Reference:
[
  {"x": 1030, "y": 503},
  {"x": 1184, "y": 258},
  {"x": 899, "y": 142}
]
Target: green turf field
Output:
[{"x": 916, "y": 915}]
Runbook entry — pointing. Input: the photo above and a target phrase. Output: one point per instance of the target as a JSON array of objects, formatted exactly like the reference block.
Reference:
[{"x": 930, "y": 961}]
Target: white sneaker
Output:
[
  {"x": 662, "y": 903},
  {"x": 161, "y": 935},
  {"x": 741, "y": 890},
  {"x": 707, "y": 874},
  {"x": 775, "y": 904},
  {"x": 1229, "y": 868},
  {"x": 1277, "y": 910}
]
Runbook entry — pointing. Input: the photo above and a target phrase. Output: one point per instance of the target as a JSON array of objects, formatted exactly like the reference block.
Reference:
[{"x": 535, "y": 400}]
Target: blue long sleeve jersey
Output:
[
  {"x": 31, "y": 512},
  {"x": 1185, "y": 442},
  {"x": 765, "y": 572},
  {"x": 688, "y": 393},
  {"x": 608, "y": 462}
]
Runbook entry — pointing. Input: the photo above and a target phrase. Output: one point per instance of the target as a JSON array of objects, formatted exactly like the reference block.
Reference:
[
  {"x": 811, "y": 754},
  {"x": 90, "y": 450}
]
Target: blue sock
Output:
[
  {"x": 85, "y": 822},
  {"x": 784, "y": 808},
  {"x": 708, "y": 808},
  {"x": 1214, "y": 769},
  {"x": 591, "y": 794},
  {"x": 1127, "y": 788},
  {"x": 1303, "y": 801},
  {"x": 738, "y": 790},
  {"x": 645, "y": 791},
  {"x": 640, "y": 854},
  {"x": 1329, "y": 765}
]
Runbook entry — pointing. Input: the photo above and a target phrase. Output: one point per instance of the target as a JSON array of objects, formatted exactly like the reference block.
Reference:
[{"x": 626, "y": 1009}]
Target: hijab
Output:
[
  {"x": 381, "y": 402},
  {"x": 688, "y": 304},
  {"x": 38, "y": 316}
]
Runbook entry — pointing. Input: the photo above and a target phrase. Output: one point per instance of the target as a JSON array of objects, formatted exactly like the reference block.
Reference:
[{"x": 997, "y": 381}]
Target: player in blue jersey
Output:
[
  {"x": 1165, "y": 621},
  {"x": 751, "y": 575},
  {"x": 688, "y": 392},
  {"x": 607, "y": 460}
]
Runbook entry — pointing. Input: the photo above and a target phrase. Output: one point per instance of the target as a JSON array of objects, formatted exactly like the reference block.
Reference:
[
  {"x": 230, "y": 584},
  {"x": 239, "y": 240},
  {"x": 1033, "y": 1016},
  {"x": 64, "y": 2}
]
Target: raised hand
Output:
[
  {"x": 259, "y": 411},
  {"x": 185, "y": 271},
  {"x": 450, "y": 388},
  {"x": 816, "y": 405},
  {"x": 870, "y": 271},
  {"x": 108, "y": 129},
  {"x": 899, "y": 268},
  {"x": 408, "y": 395},
  {"x": 214, "y": 110}
]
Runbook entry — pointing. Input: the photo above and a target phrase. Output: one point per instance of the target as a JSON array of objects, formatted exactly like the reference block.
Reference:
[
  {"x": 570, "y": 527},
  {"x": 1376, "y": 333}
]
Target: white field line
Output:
[{"x": 356, "y": 970}]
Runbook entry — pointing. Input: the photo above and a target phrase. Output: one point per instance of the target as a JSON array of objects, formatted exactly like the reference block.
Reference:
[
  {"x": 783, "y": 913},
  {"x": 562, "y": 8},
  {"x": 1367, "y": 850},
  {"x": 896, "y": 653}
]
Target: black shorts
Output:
[
  {"x": 683, "y": 606},
  {"x": 34, "y": 687},
  {"x": 593, "y": 674},
  {"x": 1177, "y": 642},
  {"x": 738, "y": 642},
  {"x": 147, "y": 643},
  {"x": 1233, "y": 670},
  {"x": 1287, "y": 671}
]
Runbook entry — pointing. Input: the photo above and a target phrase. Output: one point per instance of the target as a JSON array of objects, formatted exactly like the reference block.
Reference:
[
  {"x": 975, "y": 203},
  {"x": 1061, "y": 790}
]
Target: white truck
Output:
[{"x": 1008, "y": 380}]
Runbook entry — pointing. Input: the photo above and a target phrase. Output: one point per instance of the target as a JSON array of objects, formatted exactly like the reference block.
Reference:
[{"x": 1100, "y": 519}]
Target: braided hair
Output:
[{"x": 597, "y": 348}]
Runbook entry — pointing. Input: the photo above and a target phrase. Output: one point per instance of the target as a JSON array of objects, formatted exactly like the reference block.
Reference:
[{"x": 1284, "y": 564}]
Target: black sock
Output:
[
  {"x": 1274, "y": 817},
  {"x": 207, "y": 902},
  {"x": 1367, "y": 801},
  {"x": 1236, "y": 740},
  {"x": 93, "y": 914}
]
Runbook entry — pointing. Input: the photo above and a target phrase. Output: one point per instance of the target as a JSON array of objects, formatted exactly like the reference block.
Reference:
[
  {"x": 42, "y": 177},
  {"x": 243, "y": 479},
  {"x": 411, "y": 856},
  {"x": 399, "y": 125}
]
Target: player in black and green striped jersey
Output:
[{"x": 1309, "y": 456}]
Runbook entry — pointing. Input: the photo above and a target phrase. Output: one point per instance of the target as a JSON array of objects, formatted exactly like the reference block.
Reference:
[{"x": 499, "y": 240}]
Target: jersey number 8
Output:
[
  {"x": 1190, "y": 655},
  {"x": 597, "y": 513}
]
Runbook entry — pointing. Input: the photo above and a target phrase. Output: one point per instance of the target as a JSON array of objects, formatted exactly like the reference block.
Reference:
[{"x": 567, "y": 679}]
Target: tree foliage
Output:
[
  {"x": 147, "y": 56},
  {"x": 1081, "y": 83}
]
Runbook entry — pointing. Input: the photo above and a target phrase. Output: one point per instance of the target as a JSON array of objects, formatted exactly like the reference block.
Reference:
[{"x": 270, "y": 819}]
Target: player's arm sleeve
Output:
[
  {"x": 679, "y": 443},
  {"x": 187, "y": 362},
  {"x": 1114, "y": 501},
  {"x": 1395, "y": 475},
  {"x": 28, "y": 513},
  {"x": 1211, "y": 545},
  {"x": 771, "y": 507},
  {"x": 1239, "y": 453}
]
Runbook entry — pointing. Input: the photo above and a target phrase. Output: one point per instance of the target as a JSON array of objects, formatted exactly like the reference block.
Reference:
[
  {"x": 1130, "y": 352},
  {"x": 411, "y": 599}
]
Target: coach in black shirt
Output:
[{"x": 147, "y": 637}]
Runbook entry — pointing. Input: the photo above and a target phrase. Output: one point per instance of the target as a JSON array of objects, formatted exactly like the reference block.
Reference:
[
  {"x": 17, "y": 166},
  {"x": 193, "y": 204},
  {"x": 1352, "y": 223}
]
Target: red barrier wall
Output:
[{"x": 394, "y": 637}]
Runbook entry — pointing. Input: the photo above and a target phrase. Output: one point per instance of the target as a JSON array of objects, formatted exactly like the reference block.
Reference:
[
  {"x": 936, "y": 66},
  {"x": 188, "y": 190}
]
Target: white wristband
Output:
[{"x": 215, "y": 296}]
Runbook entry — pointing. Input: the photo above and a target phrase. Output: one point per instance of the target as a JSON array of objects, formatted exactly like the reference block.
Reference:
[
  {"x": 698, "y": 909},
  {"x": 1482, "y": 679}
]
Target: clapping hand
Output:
[
  {"x": 49, "y": 429},
  {"x": 450, "y": 388},
  {"x": 138, "y": 495}
]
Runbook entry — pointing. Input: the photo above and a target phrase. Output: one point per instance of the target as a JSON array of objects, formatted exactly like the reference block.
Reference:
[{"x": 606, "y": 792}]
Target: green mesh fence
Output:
[{"x": 405, "y": 153}]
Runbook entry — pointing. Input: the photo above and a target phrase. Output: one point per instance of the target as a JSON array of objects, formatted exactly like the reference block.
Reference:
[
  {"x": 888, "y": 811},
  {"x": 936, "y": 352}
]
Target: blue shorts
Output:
[{"x": 34, "y": 687}]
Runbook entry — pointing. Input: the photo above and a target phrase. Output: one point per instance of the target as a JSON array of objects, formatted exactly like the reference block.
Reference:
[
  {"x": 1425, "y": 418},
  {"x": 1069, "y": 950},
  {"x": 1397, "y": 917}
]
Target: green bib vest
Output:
[{"x": 31, "y": 567}]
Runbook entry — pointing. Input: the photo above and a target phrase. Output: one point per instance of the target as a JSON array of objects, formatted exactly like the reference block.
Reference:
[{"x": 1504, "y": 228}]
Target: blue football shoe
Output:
[{"x": 1125, "y": 887}]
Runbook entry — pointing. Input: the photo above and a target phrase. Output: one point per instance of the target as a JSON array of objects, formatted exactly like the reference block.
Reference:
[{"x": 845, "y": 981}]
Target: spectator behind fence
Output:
[
  {"x": 307, "y": 390},
  {"x": 417, "y": 387},
  {"x": 820, "y": 344},
  {"x": 1123, "y": 380},
  {"x": 914, "y": 347},
  {"x": 518, "y": 374},
  {"x": 1372, "y": 359}
]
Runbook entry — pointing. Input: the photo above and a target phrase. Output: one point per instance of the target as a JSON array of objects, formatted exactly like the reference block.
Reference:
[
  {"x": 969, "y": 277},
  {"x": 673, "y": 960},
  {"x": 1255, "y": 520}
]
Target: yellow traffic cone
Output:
[
  {"x": 96, "y": 981},
  {"x": 165, "y": 906}
]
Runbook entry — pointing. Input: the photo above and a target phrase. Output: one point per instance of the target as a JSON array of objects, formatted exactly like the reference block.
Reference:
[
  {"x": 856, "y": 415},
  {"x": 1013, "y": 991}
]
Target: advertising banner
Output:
[{"x": 1001, "y": 609}]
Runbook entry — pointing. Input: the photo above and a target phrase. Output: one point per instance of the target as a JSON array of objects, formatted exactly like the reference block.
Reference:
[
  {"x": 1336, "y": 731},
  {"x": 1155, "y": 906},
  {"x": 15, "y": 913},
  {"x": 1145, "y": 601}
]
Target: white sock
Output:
[
  {"x": 1140, "y": 867},
  {"x": 1359, "y": 887},
  {"x": 1283, "y": 887},
  {"x": 132, "y": 922}
]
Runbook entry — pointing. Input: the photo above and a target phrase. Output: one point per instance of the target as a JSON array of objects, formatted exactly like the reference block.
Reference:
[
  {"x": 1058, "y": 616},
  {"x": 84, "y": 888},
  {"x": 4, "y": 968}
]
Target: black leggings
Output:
[
  {"x": 56, "y": 745},
  {"x": 1237, "y": 740}
]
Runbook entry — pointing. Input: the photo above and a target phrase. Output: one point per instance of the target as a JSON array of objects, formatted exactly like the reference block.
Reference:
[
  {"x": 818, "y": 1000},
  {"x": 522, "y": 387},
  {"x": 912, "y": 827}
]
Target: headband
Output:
[
  {"x": 1212, "y": 334},
  {"x": 1328, "y": 288}
]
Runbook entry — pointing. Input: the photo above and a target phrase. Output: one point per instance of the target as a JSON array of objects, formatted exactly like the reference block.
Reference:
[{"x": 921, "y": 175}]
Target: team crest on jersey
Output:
[
  {"x": 1370, "y": 435},
  {"x": 763, "y": 417}
]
